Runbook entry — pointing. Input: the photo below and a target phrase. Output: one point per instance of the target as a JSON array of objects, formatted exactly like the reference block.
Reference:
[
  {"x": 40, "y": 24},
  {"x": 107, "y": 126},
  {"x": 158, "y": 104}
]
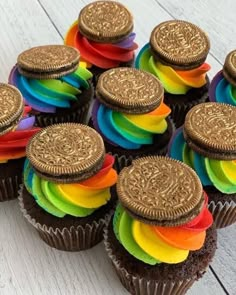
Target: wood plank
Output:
[
  {"x": 23, "y": 24},
  {"x": 216, "y": 18}
]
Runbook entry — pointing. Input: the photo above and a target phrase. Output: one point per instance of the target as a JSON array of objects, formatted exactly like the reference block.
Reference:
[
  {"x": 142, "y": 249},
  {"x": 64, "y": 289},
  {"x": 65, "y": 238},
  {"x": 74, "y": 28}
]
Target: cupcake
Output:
[
  {"x": 53, "y": 84},
  {"x": 176, "y": 54},
  {"x": 130, "y": 115},
  {"x": 16, "y": 128},
  {"x": 223, "y": 85},
  {"x": 67, "y": 181},
  {"x": 104, "y": 36},
  {"x": 160, "y": 241},
  {"x": 207, "y": 143}
]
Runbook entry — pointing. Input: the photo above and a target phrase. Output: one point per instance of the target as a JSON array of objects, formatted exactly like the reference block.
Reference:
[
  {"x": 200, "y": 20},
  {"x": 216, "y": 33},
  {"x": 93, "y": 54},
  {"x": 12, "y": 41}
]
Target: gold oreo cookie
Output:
[
  {"x": 229, "y": 68},
  {"x": 160, "y": 191},
  {"x": 179, "y": 44},
  {"x": 12, "y": 107},
  {"x": 105, "y": 21},
  {"x": 129, "y": 90},
  {"x": 210, "y": 129},
  {"x": 48, "y": 62},
  {"x": 67, "y": 152}
]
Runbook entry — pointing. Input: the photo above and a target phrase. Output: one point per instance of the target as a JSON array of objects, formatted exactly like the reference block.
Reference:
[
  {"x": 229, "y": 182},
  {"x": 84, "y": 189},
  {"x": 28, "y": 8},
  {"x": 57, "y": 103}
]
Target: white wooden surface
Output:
[{"x": 27, "y": 265}]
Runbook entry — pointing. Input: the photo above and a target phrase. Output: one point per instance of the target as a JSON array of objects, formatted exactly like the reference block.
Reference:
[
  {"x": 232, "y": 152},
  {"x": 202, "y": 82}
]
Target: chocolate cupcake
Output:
[
  {"x": 207, "y": 143},
  {"x": 160, "y": 241},
  {"x": 53, "y": 84},
  {"x": 223, "y": 85},
  {"x": 130, "y": 115},
  {"x": 67, "y": 180},
  {"x": 104, "y": 36},
  {"x": 16, "y": 128},
  {"x": 176, "y": 54}
]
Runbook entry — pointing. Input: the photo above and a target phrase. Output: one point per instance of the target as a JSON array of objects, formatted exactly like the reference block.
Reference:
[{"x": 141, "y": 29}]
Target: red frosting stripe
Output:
[
  {"x": 92, "y": 55},
  {"x": 113, "y": 52},
  {"x": 102, "y": 55},
  {"x": 191, "y": 235},
  {"x": 18, "y": 135}
]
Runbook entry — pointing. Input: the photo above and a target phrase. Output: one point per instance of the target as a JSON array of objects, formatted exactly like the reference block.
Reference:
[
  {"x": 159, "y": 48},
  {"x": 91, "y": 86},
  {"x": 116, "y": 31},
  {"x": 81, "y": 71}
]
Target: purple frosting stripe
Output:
[{"x": 128, "y": 42}]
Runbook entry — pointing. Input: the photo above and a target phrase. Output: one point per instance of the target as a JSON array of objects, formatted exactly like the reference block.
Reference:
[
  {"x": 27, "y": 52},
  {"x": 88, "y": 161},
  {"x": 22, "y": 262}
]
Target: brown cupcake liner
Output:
[
  {"x": 9, "y": 187},
  {"x": 224, "y": 214},
  {"x": 68, "y": 239},
  {"x": 180, "y": 110},
  {"x": 78, "y": 116},
  {"x": 122, "y": 161},
  {"x": 143, "y": 286}
]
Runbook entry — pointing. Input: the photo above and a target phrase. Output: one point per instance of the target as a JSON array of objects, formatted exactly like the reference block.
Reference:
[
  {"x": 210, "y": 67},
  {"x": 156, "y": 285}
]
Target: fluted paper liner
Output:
[
  {"x": 68, "y": 239},
  {"x": 9, "y": 187},
  {"x": 179, "y": 111},
  {"x": 224, "y": 214},
  {"x": 143, "y": 286},
  {"x": 78, "y": 116}
]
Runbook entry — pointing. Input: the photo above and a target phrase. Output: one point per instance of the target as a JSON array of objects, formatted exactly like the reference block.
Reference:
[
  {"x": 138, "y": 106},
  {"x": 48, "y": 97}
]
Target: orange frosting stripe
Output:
[
  {"x": 4, "y": 156},
  {"x": 162, "y": 110},
  {"x": 180, "y": 238},
  {"x": 100, "y": 182},
  {"x": 71, "y": 34},
  {"x": 195, "y": 77}
]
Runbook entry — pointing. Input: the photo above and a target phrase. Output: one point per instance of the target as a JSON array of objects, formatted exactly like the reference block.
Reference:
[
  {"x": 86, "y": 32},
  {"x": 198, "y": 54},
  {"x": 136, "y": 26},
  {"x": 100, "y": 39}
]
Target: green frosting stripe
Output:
[
  {"x": 130, "y": 131},
  {"x": 48, "y": 197},
  {"x": 218, "y": 177},
  {"x": 42, "y": 200},
  {"x": 122, "y": 225},
  {"x": 54, "y": 196}
]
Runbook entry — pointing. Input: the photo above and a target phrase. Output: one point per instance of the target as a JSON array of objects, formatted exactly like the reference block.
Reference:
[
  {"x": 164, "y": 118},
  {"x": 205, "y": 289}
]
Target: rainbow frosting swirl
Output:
[
  {"x": 47, "y": 95},
  {"x": 13, "y": 143},
  {"x": 102, "y": 55},
  {"x": 218, "y": 173},
  {"x": 75, "y": 199},
  {"x": 174, "y": 81},
  {"x": 221, "y": 90},
  {"x": 156, "y": 244},
  {"x": 129, "y": 131}
]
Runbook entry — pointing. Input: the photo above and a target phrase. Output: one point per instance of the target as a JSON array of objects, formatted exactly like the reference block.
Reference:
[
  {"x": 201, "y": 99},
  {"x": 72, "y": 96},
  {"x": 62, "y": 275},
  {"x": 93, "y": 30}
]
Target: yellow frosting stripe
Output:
[
  {"x": 229, "y": 168},
  {"x": 171, "y": 82},
  {"x": 155, "y": 246},
  {"x": 153, "y": 122},
  {"x": 84, "y": 198}
]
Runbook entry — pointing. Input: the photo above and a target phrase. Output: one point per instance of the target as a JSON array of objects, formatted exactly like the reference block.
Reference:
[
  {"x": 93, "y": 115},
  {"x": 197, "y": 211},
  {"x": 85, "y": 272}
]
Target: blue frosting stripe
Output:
[
  {"x": 45, "y": 98},
  {"x": 199, "y": 166},
  {"x": 21, "y": 83},
  {"x": 196, "y": 161},
  {"x": 144, "y": 54},
  {"x": 105, "y": 124},
  {"x": 225, "y": 92},
  {"x": 177, "y": 145}
]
